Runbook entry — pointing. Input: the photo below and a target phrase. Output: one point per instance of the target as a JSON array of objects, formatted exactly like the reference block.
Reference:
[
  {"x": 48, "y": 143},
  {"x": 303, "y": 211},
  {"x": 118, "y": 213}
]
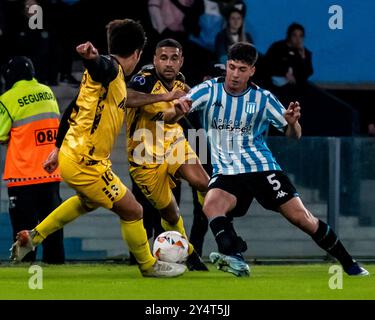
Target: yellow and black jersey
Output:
[
  {"x": 93, "y": 120},
  {"x": 144, "y": 124}
]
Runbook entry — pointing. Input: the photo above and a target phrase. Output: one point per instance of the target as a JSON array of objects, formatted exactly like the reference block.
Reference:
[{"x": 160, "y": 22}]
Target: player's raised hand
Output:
[
  {"x": 293, "y": 113},
  {"x": 87, "y": 51}
]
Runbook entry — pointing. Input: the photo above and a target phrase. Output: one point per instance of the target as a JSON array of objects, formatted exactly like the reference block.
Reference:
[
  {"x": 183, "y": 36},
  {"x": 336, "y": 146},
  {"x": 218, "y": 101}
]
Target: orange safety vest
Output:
[{"x": 29, "y": 119}]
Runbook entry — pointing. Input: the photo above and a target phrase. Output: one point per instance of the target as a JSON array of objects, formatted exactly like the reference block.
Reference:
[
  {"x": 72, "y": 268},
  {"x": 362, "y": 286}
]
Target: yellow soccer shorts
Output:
[
  {"x": 157, "y": 180},
  {"x": 95, "y": 183}
]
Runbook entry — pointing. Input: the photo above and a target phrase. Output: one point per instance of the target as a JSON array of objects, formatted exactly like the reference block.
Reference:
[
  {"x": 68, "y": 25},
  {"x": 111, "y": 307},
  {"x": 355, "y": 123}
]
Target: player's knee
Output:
[
  {"x": 170, "y": 214},
  {"x": 171, "y": 218},
  {"x": 129, "y": 210},
  {"x": 87, "y": 207},
  {"x": 209, "y": 208},
  {"x": 213, "y": 206},
  {"x": 200, "y": 183}
]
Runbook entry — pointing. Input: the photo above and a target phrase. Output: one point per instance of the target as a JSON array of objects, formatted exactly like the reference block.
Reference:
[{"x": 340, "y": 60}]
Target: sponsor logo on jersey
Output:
[{"x": 236, "y": 127}]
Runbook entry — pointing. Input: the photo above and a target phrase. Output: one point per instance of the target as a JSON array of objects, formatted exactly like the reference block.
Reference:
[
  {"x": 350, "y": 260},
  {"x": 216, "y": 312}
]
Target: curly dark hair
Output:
[{"x": 125, "y": 36}]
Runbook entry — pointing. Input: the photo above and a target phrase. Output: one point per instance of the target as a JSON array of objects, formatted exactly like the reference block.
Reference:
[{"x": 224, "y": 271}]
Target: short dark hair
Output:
[
  {"x": 125, "y": 36},
  {"x": 294, "y": 26},
  {"x": 169, "y": 43},
  {"x": 243, "y": 51}
]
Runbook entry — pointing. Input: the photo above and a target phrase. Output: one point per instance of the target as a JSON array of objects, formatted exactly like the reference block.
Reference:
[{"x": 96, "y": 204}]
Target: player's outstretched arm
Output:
[
  {"x": 292, "y": 114},
  {"x": 137, "y": 99},
  {"x": 182, "y": 106}
]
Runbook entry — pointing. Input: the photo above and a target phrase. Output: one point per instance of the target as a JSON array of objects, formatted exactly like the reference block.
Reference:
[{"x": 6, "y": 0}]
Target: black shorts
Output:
[{"x": 270, "y": 188}]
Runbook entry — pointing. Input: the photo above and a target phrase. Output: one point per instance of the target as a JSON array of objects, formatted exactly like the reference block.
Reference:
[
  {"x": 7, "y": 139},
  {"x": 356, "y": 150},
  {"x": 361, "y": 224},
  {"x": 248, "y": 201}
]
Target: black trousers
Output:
[{"x": 29, "y": 205}]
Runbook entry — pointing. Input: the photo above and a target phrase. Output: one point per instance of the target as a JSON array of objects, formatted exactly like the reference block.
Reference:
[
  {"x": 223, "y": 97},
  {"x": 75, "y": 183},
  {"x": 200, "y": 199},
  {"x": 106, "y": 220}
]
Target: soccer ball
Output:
[{"x": 171, "y": 246}]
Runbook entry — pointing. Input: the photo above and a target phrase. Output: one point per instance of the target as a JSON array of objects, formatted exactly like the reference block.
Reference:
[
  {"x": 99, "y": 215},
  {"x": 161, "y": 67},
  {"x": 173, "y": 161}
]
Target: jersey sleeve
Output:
[
  {"x": 103, "y": 69},
  {"x": 64, "y": 123},
  {"x": 6, "y": 121},
  {"x": 199, "y": 95},
  {"x": 141, "y": 82},
  {"x": 275, "y": 112}
]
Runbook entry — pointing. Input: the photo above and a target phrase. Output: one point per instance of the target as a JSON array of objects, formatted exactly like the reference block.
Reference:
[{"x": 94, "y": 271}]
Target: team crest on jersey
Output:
[
  {"x": 140, "y": 79},
  {"x": 250, "y": 107}
]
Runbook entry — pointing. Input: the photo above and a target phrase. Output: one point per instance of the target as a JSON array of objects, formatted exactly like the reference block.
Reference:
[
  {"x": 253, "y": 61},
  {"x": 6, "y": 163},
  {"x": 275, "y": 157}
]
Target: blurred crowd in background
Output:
[{"x": 205, "y": 28}]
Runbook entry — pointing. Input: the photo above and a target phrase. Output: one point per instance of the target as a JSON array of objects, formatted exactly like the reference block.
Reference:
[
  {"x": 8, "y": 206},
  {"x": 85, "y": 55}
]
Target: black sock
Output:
[
  {"x": 326, "y": 238},
  {"x": 226, "y": 238},
  {"x": 240, "y": 245}
]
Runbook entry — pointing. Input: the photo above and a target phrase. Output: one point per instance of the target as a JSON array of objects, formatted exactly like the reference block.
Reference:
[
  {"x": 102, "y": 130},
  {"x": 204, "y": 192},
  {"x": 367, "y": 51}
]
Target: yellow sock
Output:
[
  {"x": 63, "y": 214},
  {"x": 201, "y": 196},
  {"x": 179, "y": 226},
  {"x": 134, "y": 233}
]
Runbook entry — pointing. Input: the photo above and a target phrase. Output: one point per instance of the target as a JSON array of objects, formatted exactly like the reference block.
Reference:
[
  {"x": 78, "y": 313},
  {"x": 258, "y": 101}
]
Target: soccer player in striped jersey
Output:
[{"x": 236, "y": 113}]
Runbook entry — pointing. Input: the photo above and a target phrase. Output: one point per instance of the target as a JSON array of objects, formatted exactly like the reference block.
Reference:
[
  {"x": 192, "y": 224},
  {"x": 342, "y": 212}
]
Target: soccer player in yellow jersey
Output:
[
  {"x": 95, "y": 120},
  {"x": 158, "y": 152}
]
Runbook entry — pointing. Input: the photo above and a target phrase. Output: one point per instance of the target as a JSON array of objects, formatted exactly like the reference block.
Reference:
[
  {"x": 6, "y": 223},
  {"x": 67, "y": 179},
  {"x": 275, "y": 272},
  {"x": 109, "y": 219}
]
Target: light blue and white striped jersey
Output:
[{"x": 235, "y": 126}]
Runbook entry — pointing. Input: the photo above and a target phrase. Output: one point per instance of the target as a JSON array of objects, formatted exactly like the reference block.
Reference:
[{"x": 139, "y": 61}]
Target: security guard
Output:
[{"x": 29, "y": 120}]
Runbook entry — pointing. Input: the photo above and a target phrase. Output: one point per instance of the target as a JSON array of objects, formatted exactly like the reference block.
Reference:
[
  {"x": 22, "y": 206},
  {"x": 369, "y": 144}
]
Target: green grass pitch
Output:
[{"x": 118, "y": 281}]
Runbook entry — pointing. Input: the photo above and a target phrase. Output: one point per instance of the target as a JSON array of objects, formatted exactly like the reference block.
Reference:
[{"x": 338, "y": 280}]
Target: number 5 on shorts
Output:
[{"x": 274, "y": 182}]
